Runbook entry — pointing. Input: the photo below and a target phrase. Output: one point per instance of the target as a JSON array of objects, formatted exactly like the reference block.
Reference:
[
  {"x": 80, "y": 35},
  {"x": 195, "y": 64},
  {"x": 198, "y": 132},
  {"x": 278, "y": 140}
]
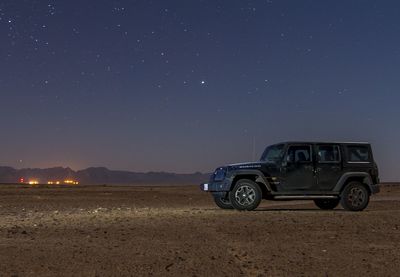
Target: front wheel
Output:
[
  {"x": 246, "y": 195},
  {"x": 222, "y": 202},
  {"x": 326, "y": 204},
  {"x": 355, "y": 197}
]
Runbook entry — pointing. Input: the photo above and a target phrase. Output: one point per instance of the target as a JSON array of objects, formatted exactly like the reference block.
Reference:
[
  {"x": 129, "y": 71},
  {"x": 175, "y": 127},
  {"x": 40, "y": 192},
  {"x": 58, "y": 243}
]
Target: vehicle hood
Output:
[{"x": 246, "y": 165}]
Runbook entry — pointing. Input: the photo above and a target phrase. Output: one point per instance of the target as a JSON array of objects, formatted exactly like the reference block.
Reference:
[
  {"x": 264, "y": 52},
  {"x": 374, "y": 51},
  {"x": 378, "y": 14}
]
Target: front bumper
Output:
[{"x": 224, "y": 185}]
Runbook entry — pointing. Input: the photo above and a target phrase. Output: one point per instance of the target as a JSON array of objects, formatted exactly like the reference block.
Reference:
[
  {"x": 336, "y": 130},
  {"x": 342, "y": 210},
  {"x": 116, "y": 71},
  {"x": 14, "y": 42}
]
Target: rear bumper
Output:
[{"x": 374, "y": 188}]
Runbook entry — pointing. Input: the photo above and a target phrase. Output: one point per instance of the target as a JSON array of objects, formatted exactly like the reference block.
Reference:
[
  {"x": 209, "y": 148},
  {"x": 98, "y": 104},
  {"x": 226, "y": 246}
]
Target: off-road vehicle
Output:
[{"x": 327, "y": 172}]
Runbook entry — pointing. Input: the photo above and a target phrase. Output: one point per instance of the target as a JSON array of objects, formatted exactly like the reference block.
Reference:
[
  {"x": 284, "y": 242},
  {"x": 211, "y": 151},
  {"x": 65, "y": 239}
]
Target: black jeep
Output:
[{"x": 326, "y": 172}]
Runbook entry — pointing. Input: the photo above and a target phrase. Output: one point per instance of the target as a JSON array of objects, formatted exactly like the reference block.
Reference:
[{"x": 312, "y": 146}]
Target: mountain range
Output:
[{"x": 99, "y": 175}]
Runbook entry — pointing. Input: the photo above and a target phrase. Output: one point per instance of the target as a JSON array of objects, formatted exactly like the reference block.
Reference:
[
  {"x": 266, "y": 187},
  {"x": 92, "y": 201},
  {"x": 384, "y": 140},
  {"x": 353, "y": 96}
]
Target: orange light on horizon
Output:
[
  {"x": 71, "y": 182},
  {"x": 66, "y": 182}
]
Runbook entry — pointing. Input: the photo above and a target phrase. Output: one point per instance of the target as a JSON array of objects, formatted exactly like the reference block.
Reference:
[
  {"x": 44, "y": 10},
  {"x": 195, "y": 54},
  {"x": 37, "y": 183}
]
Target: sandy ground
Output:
[{"x": 178, "y": 231}]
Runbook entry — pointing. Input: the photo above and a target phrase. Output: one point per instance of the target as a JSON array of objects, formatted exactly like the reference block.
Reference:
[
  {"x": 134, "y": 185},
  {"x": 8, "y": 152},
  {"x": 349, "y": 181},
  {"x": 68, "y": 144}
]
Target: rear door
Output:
[{"x": 328, "y": 166}]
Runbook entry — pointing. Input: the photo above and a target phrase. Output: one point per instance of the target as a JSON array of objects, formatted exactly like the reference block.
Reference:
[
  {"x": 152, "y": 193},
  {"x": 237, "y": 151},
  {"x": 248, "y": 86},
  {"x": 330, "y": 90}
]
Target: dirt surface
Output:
[{"x": 178, "y": 231}]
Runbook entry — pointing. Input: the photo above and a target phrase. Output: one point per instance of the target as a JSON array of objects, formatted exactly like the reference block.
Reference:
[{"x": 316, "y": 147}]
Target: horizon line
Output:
[{"x": 104, "y": 167}]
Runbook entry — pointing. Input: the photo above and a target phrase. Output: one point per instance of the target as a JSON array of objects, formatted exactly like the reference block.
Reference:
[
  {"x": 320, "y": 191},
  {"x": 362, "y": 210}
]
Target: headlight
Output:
[{"x": 219, "y": 174}]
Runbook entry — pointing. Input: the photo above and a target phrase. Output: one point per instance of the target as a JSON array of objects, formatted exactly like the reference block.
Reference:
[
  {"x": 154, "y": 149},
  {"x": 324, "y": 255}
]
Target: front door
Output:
[
  {"x": 329, "y": 166},
  {"x": 298, "y": 169}
]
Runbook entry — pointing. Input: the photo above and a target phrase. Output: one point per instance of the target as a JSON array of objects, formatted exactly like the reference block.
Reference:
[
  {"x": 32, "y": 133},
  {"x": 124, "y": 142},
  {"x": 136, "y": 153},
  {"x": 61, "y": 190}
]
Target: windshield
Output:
[{"x": 273, "y": 154}]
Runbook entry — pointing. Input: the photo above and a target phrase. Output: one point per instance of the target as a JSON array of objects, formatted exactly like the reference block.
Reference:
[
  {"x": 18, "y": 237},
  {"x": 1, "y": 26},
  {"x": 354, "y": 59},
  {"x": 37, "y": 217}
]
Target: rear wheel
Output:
[
  {"x": 246, "y": 195},
  {"x": 222, "y": 201},
  {"x": 355, "y": 197},
  {"x": 326, "y": 204}
]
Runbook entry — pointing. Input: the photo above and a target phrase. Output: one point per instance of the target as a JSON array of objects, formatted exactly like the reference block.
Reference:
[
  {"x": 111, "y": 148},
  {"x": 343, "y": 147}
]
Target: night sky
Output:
[{"x": 186, "y": 86}]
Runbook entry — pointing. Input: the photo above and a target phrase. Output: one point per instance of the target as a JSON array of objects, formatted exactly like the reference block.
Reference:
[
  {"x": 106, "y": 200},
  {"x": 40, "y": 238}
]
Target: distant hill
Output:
[{"x": 100, "y": 175}]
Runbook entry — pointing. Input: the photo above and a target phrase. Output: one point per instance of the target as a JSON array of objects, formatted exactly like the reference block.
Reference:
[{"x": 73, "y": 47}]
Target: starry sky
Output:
[{"x": 187, "y": 86}]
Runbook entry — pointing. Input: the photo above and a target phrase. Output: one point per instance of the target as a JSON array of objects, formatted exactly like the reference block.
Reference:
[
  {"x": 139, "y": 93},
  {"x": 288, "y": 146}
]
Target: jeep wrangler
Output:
[{"x": 328, "y": 173}]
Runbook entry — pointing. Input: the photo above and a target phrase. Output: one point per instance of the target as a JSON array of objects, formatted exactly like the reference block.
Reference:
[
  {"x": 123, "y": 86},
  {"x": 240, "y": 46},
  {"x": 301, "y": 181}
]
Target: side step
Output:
[{"x": 304, "y": 197}]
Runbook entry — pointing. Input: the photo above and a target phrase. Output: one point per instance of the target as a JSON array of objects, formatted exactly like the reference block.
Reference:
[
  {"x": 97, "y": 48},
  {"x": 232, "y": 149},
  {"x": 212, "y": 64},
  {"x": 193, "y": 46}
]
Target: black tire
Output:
[
  {"x": 246, "y": 195},
  {"x": 326, "y": 204},
  {"x": 354, "y": 197},
  {"x": 222, "y": 202}
]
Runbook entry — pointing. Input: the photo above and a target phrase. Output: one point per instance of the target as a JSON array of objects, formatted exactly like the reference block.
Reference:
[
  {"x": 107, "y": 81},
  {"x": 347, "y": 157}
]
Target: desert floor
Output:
[{"x": 178, "y": 231}]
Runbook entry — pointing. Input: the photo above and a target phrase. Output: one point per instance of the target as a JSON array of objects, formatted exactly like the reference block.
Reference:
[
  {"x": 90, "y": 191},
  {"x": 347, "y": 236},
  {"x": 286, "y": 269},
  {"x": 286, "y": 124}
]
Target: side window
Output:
[
  {"x": 358, "y": 153},
  {"x": 328, "y": 154},
  {"x": 299, "y": 154}
]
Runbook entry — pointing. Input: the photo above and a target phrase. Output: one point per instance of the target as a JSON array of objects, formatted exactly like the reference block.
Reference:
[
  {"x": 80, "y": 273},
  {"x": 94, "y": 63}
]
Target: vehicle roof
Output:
[{"x": 323, "y": 142}]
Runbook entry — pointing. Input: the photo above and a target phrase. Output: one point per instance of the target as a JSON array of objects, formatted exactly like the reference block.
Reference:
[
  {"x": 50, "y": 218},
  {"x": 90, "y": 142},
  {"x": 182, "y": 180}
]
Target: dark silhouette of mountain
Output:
[{"x": 99, "y": 175}]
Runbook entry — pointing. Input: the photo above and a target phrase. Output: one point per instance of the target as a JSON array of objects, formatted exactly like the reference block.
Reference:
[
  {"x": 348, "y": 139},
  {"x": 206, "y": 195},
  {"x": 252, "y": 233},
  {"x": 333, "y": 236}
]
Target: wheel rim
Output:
[
  {"x": 245, "y": 195},
  {"x": 356, "y": 197}
]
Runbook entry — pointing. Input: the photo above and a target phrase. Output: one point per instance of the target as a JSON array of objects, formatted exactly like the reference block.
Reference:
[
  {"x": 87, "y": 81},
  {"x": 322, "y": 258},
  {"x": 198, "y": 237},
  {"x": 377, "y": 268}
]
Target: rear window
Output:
[{"x": 357, "y": 154}]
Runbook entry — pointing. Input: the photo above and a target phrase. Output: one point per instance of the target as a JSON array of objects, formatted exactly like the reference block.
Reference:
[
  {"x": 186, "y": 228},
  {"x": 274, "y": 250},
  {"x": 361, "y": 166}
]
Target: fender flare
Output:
[
  {"x": 367, "y": 180},
  {"x": 260, "y": 178}
]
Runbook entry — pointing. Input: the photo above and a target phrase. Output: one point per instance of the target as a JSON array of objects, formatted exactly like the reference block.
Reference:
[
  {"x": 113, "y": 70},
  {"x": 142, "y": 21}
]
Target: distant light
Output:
[
  {"x": 203, "y": 82},
  {"x": 33, "y": 182},
  {"x": 71, "y": 182}
]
